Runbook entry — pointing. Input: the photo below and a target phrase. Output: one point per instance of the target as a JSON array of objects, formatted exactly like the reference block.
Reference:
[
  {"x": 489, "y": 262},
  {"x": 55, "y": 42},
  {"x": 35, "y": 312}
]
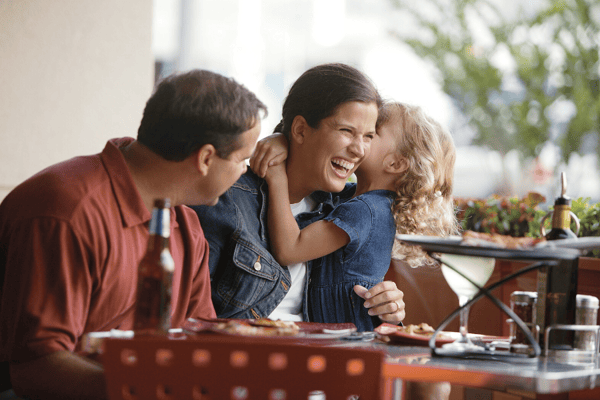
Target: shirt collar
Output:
[{"x": 131, "y": 206}]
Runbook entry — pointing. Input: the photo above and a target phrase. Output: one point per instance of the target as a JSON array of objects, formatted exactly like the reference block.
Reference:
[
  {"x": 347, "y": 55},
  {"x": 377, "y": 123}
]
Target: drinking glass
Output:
[{"x": 479, "y": 270}]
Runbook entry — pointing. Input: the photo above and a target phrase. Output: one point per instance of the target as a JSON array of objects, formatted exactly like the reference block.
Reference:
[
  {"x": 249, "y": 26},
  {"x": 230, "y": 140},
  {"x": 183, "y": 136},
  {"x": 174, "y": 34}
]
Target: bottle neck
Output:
[
  {"x": 160, "y": 231},
  {"x": 561, "y": 217}
]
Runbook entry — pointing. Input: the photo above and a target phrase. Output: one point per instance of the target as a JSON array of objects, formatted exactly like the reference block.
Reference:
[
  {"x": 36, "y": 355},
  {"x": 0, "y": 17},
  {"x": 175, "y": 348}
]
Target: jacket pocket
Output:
[{"x": 251, "y": 275}]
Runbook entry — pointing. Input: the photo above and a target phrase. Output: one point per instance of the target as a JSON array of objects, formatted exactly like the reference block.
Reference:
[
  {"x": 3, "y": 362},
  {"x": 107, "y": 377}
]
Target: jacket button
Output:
[{"x": 257, "y": 266}]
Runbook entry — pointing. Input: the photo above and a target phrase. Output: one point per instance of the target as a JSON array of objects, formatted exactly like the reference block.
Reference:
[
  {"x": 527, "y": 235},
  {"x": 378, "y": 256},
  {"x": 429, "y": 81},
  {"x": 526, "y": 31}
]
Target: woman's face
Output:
[{"x": 338, "y": 145}]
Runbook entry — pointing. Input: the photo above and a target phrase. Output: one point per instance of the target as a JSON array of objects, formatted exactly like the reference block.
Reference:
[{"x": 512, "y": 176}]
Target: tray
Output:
[{"x": 557, "y": 250}]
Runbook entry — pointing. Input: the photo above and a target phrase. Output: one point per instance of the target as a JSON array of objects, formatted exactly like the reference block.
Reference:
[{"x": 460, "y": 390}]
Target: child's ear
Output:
[
  {"x": 204, "y": 158},
  {"x": 395, "y": 164},
  {"x": 299, "y": 129}
]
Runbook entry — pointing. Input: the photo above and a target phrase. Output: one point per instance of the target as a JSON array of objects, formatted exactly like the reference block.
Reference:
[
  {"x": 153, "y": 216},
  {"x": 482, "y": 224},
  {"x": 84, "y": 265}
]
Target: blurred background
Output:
[{"x": 516, "y": 83}]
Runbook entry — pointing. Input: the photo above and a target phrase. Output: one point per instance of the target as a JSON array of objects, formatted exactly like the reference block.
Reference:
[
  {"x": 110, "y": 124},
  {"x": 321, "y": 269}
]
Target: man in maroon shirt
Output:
[{"x": 72, "y": 235}]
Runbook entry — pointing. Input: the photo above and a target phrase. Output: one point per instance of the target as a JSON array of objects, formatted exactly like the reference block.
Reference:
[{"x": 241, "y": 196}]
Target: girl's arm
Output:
[{"x": 289, "y": 244}]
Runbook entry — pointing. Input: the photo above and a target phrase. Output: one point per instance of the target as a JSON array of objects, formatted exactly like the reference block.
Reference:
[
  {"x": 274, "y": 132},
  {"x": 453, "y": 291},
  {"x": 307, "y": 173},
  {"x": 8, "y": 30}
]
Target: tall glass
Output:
[{"x": 479, "y": 270}]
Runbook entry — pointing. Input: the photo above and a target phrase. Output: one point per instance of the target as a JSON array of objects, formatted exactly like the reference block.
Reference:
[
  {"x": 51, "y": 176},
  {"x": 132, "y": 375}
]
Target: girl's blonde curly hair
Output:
[{"x": 424, "y": 203}]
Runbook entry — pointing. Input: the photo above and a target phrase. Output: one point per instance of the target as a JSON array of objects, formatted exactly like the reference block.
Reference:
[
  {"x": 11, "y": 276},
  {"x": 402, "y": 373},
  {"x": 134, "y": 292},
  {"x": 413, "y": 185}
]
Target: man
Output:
[{"x": 71, "y": 236}]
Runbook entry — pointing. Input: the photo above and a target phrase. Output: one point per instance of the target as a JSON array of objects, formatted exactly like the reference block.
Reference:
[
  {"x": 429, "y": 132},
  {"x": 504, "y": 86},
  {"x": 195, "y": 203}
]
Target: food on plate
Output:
[
  {"x": 416, "y": 334},
  {"x": 421, "y": 329},
  {"x": 471, "y": 238},
  {"x": 275, "y": 323},
  {"x": 259, "y": 327}
]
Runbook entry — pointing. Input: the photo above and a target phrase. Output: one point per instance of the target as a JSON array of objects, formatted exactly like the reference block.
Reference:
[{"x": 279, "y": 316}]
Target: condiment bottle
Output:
[
  {"x": 557, "y": 285},
  {"x": 561, "y": 216},
  {"x": 155, "y": 276},
  {"x": 586, "y": 314},
  {"x": 524, "y": 306}
]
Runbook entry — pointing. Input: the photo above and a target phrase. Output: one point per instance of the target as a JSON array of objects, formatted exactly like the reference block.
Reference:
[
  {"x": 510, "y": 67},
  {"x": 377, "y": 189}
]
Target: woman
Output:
[{"x": 246, "y": 280}]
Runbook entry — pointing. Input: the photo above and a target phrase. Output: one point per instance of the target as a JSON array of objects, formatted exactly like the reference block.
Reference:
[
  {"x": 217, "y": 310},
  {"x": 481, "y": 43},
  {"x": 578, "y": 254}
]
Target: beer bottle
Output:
[
  {"x": 155, "y": 276},
  {"x": 561, "y": 216}
]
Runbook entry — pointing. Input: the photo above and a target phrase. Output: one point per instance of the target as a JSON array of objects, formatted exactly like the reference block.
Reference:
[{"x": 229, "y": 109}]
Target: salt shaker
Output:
[
  {"x": 524, "y": 306},
  {"x": 586, "y": 314}
]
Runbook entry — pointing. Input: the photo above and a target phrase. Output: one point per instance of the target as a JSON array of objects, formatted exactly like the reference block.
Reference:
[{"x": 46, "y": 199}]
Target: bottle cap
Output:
[
  {"x": 563, "y": 200},
  {"x": 586, "y": 301},
  {"x": 523, "y": 297}
]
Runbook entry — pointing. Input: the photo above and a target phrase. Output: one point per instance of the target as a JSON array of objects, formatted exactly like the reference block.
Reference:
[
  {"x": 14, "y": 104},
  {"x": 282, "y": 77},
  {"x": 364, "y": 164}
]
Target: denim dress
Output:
[{"x": 368, "y": 221}]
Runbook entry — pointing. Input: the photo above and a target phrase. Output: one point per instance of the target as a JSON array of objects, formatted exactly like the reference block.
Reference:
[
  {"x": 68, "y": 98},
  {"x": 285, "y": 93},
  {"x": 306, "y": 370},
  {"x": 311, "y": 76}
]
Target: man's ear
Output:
[
  {"x": 395, "y": 164},
  {"x": 299, "y": 129},
  {"x": 204, "y": 158}
]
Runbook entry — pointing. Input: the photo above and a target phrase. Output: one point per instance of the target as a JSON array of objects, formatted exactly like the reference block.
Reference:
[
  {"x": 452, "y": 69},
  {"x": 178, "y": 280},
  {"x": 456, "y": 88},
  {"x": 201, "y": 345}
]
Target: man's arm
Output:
[
  {"x": 60, "y": 375},
  {"x": 45, "y": 304}
]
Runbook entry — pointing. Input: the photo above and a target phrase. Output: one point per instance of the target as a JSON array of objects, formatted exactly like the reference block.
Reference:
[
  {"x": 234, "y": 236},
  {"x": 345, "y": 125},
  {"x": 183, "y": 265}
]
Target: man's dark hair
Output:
[
  {"x": 319, "y": 91},
  {"x": 195, "y": 108}
]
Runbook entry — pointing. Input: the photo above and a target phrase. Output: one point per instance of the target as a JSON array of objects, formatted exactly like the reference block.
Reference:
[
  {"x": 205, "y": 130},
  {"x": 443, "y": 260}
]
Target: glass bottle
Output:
[
  {"x": 561, "y": 216},
  {"x": 155, "y": 276},
  {"x": 557, "y": 285}
]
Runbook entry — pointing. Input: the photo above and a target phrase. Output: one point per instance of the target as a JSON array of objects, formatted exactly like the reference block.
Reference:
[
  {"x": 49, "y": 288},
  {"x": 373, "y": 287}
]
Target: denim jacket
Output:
[{"x": 246, "y": 281}]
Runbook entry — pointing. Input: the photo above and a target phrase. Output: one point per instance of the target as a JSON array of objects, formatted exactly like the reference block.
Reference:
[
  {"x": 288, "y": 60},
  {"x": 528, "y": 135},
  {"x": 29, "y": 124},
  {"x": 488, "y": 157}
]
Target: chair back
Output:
[{"x": 223, "y": 367}]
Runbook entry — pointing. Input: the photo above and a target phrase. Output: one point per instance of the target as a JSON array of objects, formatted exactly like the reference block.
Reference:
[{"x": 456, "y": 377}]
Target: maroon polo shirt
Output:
[{"x": 71, "y": 238}]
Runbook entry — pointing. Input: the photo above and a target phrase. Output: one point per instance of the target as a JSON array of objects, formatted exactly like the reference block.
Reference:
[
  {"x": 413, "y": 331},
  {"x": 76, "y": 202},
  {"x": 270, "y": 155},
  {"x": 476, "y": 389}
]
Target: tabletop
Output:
[{"x": 537, "y": 375}]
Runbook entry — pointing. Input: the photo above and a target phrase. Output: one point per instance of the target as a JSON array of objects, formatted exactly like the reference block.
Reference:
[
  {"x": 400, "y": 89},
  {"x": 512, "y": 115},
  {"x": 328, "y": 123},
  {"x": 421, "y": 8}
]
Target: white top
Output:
[{"x": 290, "y": 308}]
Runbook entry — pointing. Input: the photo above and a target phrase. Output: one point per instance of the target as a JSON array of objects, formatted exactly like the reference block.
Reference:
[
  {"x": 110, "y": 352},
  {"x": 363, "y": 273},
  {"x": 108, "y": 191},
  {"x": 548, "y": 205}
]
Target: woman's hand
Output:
[
  {"x": 384, "y": 300},
  {"x": 270, "y": 151}
]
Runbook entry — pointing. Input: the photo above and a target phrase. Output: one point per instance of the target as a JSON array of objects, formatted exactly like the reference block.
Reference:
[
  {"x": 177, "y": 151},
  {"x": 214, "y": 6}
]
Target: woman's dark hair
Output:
[
  {"x": 318, "y": 92},
  {"x": 195, "y": 108}
]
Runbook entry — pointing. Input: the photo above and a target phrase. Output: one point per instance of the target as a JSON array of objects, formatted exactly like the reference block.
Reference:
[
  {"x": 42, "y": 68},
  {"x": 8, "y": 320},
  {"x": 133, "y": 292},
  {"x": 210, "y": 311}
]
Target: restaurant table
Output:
[{"x": 529, "y": 378}]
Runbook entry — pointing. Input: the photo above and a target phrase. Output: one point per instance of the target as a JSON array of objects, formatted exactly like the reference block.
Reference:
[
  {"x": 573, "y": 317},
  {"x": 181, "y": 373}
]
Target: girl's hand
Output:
[
  {"x": 384, "y": 300},
  {"x": 270, "y": 151},
  {"x": 276, "y": 175}
]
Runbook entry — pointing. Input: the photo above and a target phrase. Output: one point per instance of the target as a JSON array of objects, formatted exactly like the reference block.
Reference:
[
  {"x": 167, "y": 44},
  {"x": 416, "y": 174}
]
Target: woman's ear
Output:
[
  {"x": 299, "y": 129},
  {"x": 204, "y": 158},
  {"x": 395, "y": 164}
]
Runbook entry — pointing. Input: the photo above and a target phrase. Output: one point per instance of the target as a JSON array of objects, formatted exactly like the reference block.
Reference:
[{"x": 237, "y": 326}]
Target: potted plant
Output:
[{"x": 520, "y": 217}]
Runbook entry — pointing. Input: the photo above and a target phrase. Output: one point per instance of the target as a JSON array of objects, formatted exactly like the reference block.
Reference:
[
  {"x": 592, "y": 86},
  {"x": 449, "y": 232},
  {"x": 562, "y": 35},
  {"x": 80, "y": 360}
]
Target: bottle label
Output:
[{"x": 160, "y": 222}]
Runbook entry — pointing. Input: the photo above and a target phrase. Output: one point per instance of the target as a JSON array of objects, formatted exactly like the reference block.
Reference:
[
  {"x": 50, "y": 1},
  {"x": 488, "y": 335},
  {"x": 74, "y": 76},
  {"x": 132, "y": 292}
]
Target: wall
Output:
[{"x": 73, "y": 73}]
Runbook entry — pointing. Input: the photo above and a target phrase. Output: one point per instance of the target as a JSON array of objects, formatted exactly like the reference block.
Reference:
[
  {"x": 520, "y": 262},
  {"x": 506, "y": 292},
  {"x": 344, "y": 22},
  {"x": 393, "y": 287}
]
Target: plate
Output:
[
  {"x": 307, "y": 330},
  {"x": 453, "y": 245},
  {"x": 396, "y": 335}
]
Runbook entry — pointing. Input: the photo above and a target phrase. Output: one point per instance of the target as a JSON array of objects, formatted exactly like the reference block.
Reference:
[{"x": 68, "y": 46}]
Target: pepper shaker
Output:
[
  {"x": 524, "y": 306},
  {"x": 586, "y": 314}
]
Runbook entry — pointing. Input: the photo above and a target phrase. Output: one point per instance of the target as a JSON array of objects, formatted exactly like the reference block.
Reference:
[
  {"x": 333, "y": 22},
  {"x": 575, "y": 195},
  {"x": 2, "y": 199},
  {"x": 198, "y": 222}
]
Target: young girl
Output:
[{"x": 404, "y": 186}]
